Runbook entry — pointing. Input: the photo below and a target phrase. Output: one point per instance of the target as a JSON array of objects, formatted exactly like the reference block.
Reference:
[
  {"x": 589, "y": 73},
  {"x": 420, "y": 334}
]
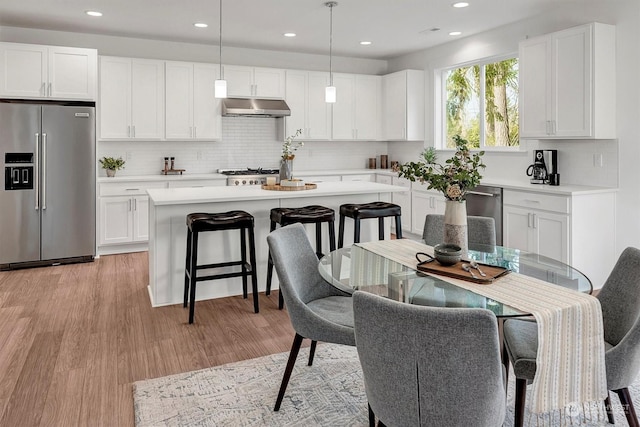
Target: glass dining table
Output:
[{"x": 355, "y": 268}]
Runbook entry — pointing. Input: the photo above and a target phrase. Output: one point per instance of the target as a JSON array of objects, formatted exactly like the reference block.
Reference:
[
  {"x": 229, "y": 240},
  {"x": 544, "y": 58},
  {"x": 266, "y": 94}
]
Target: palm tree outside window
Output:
[{"x": 481, "y": 104}]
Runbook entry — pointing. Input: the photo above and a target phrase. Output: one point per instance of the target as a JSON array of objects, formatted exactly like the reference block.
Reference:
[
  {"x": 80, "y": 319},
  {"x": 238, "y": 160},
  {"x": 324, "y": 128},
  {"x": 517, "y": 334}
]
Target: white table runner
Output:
[{"x": 570, "y": 360}]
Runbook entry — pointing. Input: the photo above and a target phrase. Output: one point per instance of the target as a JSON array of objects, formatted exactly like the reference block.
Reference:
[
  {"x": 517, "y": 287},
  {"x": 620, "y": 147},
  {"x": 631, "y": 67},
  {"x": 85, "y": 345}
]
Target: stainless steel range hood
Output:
[{"x": 252, "y": 107}]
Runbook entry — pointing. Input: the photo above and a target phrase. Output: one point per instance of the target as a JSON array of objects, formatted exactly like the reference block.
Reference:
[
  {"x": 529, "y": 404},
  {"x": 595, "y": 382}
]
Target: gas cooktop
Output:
[
  {"x": 248, "y": 176},
  {"x": 249, "y": 171}
]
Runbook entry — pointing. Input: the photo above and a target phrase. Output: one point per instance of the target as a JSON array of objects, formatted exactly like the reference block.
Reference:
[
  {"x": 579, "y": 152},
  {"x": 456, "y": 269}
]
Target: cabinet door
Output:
[
  {"x": 551, "y": 233},
  {"x": 269, "y": 83},
  {"x": 403, "y": 199},
  {"x": 115, "y": 98},
  {"x": 572, "y": 80},
  {"x": 23, "y": 70},
  {"x": 395, "y": 106},
  {"x": 239, "y": 80},
  {"x": 343, "y": 116},
  {"x": 207, "y": 110},
  {"x": 140, "y": 218},
  {"x": 116, "y": 224},
  {"x": 179, "y": 93},
  {"x": 318, "y": 111},
  {"x": 147, "y": 99},
  {"x": 367, "y": 113},
  {"x": 72, "y": 73},
  {"x": 296, "y": 97},
  {"x": 535, "y": 87},
  {"x": 517, "y": 228},
  {"x": 423, "y": 204}
]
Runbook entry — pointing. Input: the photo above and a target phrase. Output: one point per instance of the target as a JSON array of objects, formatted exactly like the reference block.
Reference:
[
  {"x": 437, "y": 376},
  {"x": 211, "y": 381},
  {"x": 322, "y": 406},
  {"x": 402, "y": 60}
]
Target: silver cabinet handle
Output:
[
  {"x": 190, "y": 132},
  {"x": 133, "y": 128},
  {"x": 535, "y": 220},
  {"x": 50, "y": 89},
  {"x": 43, "y": 89},
  {"x": 44, "y": 171},
  {"x": 195, "y": 131},
  {"x": 132, "y": 189},
  {"x": 36, "y": 177},
  {"x": 129, "y": 131},
  {"x": 129, "y": 205},
  {"x": 135, "y": 204}
]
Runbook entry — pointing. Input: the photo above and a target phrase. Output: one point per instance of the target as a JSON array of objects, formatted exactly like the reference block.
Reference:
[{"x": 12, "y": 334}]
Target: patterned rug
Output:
[{"x": 329, "y": 393}]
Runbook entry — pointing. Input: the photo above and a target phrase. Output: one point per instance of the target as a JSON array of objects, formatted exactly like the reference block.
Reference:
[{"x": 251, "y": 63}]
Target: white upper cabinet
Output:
[
  {"x": 131, "y": 98},
  {"x": 254, "y": 82},
  {"x": 309, "y": 111},
  {"x": 356, "y": 113},
  {"x": 192, "y": 111},
  {"x": 567, "y": 84},
  {"x": 403, "y": 100},
  {"x": 47, "y": 72}
]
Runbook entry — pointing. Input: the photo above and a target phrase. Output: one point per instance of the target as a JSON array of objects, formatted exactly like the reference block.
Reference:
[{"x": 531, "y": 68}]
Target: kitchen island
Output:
[{"x": 168, "y": 208}]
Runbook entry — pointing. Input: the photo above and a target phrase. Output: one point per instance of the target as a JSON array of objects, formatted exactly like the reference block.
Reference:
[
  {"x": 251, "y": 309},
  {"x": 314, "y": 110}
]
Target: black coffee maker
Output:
[{"x": 544, "y": 169}]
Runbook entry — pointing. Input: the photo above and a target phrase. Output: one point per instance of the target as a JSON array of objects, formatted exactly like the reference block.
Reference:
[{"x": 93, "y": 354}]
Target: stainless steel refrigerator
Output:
[{"x": 47, "y": 193}]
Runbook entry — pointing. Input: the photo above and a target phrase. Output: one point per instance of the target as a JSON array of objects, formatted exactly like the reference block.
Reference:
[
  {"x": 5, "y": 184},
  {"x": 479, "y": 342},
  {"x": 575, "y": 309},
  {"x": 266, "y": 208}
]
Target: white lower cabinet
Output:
[
  {"x": 124, "y": 219},
  {"x": 403, "y": 199},
  {"x": 577, "y": 229},
  {"x": 424, "y": 203}
]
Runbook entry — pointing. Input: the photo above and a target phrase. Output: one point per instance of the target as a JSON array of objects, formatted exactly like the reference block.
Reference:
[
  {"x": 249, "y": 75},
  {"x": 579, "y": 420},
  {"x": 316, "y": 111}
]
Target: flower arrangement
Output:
[
  {"x": 112, "y": 163},
  {"x": 289, "y": 147},
  {"x": 455, "y": 178}
]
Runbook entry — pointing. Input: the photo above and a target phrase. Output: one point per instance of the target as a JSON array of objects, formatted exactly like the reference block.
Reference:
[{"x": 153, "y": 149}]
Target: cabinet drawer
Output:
[
  {"x": 192, "y": 183},
  {"x": 402, "y": 182},
  {"x": 129, "y": 188},
  {"x": 363, "y": 177},
  {"x": 546, "y": 202}
]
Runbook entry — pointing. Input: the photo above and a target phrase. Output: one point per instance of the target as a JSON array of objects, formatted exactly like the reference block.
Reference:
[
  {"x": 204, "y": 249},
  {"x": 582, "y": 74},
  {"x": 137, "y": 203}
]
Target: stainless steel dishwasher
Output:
[{"x": 485, "y": 200}]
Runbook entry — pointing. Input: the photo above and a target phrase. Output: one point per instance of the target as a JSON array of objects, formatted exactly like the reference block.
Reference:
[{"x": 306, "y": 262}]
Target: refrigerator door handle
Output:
[
  {"x": 36, "y": 177},
  {"x": 44, "y": 171}
]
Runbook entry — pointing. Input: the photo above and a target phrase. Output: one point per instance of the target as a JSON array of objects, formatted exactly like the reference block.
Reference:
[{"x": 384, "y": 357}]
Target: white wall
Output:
[{"x": 576, "y": 165}]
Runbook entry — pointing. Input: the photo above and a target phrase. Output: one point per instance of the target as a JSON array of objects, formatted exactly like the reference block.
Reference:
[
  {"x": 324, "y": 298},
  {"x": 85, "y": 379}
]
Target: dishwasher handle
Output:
[{"x": 480, "y": 193}]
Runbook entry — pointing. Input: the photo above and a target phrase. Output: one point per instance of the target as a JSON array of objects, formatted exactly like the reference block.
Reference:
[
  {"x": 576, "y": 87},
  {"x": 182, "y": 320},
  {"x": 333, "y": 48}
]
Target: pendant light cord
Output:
[
  {"x": 331, "y": 4},
  {"x": 221, "y": 76}
]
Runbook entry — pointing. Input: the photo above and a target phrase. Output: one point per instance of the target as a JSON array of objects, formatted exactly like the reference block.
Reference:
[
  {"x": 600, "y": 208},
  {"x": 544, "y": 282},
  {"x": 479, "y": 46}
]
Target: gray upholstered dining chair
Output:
[
  {"x": 620, "y": 302},
  {"x": 429, "y": 366},
  {"x": 480, "y": 230},
  {"x": 317, "y": 310}
]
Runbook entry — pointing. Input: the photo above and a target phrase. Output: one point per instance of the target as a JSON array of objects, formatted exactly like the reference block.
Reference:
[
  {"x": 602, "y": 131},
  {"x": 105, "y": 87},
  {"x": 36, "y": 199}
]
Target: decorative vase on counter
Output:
[
  {"x": 286, "y": 167},
  {"x": 455, "y": 223},
  {"x": 111, "y": 173}
]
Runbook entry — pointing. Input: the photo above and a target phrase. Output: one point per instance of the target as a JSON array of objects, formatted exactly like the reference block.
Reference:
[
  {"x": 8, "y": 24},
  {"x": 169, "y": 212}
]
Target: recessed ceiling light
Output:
[
  {"x": 365, "y": 43},
  {"x": 93, "y": 13},
  {"x": 461, "y": 4},
  {"x": 289, "y": 34},
  {"x": 200, "y": 25},
  {"x": 455, "y": 33}
]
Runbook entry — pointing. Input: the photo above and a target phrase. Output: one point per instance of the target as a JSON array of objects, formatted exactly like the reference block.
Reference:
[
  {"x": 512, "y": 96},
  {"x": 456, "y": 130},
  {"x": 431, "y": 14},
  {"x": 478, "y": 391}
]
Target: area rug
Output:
[{"x": 329, "y": 393}]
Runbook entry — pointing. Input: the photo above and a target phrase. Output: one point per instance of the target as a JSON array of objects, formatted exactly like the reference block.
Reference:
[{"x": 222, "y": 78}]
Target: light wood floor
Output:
[{"x": 74, "y": 338}]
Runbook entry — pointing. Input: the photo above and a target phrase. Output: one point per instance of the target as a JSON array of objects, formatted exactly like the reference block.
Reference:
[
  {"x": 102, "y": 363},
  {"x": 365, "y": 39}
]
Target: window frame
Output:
[{"x": 440, "y": 96}]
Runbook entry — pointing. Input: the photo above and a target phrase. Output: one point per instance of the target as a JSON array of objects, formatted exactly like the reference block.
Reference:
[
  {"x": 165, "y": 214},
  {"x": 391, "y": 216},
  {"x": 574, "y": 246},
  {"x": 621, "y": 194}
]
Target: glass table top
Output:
[{"x": 354, "y": 268}]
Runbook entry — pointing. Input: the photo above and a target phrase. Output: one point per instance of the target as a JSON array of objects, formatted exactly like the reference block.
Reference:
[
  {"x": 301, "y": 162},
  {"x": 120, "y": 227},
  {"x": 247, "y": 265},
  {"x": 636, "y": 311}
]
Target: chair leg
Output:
[
  {"x": 312, "y": 352},
  {"x": 280, "y": 300},
  {"x": 627, "y": 405},
  {"x": 194, "y": 275},
  {"x": 381, "y": 228},
  {"x": 243, "y": 250},
  {"x": 270, "y": 264},
  {"x": 187, "y": 272},
  {"x": 609, "y": 409},
  {"x": 398, "y": 227},
  {"x": 341, "y": 231},
  {"x": 372, "y": 417},
  {"x": 254, "y": 267},
  {"x": 319, "y": 253},
  {"x": 293, "y": 354},
  {"x": 356, "y": 230},
  {"x": 332, "y": 236},
  {"x": 521, "y": 394}
]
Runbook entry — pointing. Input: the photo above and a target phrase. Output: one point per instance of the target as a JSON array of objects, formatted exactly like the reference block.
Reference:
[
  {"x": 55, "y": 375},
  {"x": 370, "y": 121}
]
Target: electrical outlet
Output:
[
  {"x": 128, "y": 155},
  {"x": 597, "y": 160}
]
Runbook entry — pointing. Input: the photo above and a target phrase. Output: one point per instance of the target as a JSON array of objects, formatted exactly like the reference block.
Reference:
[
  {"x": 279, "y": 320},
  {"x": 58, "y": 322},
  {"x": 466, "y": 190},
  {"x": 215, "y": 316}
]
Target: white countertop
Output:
[
  {"x": 508, "y": 184},
  {"x": 180, "y": 196}
]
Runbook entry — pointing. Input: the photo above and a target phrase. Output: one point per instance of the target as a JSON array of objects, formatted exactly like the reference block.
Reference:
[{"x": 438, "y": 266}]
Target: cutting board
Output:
[{"x": 455, "y": 270}]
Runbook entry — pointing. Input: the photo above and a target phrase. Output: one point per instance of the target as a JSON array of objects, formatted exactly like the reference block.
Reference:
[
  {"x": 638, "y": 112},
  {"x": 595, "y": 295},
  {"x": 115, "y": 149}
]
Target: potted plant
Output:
[
  {"x": 111, "y": 165},
  {"x": 458, "y": 175}
]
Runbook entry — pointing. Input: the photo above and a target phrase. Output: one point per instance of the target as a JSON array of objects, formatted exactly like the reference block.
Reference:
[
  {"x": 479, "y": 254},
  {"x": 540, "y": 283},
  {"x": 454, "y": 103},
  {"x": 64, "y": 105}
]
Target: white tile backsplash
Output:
[{"x": 246, "y": 142}]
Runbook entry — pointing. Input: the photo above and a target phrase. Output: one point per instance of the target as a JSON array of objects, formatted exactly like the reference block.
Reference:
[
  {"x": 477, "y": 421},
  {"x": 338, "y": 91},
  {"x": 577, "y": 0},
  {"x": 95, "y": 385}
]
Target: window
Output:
[{"x": 481, "y": 104}]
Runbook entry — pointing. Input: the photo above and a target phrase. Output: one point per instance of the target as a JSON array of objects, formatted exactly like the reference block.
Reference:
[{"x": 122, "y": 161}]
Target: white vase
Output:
[
  {"x": 455, "y": 223},
  {"x": 286, "y": 168},
  {"x": 111, "y": 173}
]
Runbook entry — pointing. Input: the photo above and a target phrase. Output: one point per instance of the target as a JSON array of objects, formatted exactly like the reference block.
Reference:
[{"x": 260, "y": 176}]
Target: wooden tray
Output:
[
  {"x": 492, "y": 272},
  {"x": 168, "y": 171},
  {"x": 278, "y": 187}
]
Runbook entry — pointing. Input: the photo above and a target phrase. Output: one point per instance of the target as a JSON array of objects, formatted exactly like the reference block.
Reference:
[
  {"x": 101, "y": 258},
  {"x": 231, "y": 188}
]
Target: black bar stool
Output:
[
  {"x": 378, "y": 210},
  {"x": 202, "y": 222},
  {"x": 307, "y": 215}
]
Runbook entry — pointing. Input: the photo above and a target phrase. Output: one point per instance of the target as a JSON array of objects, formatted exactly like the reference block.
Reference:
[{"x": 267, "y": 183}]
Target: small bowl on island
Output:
[{"x": 447, "y": 253}]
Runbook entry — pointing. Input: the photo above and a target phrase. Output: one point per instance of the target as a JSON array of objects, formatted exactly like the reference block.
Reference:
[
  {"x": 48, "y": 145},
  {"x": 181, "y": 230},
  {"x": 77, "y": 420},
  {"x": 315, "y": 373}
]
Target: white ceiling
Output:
[{"x": 394, "y": 27}]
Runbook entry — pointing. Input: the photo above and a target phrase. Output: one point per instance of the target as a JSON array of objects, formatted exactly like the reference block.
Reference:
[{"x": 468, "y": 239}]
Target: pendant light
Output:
[
  {"x": 220, "y": 88},
  {"x": 330, "y": 91}
]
